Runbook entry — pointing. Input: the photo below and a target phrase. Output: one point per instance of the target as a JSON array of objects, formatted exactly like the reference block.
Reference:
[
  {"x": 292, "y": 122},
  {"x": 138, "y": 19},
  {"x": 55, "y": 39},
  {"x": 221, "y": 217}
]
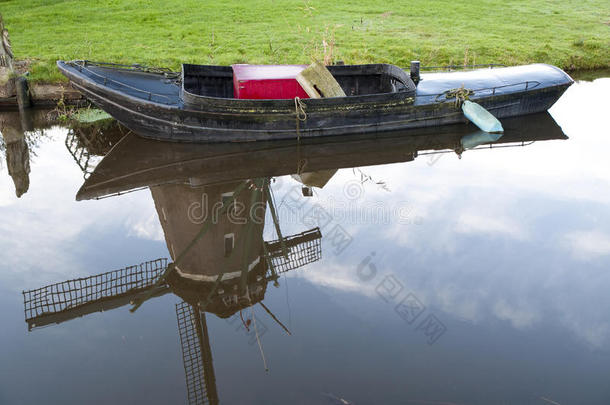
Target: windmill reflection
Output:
[{"x": 219, "y": 264}]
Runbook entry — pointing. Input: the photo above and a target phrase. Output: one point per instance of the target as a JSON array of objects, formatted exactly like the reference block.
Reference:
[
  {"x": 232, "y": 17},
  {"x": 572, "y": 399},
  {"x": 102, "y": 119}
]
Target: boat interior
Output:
[{"x": 355, "y": 80}]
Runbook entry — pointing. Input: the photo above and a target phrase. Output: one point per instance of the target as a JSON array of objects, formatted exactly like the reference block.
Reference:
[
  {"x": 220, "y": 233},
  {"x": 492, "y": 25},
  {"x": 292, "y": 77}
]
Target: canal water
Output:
[{"x": 415, "y": 273}]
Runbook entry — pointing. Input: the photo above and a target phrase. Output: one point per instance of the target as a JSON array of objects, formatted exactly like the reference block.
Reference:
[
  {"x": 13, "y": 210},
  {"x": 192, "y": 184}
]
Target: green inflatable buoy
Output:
[{"x": 480, "y": 117}]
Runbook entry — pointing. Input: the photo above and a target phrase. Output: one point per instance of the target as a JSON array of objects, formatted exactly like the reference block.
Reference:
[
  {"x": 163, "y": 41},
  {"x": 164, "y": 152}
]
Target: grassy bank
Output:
[{"x": 168, "y": 32}]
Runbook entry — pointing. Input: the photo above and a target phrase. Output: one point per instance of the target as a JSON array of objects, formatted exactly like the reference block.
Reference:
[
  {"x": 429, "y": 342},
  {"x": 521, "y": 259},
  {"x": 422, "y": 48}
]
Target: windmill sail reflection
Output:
[
  {"x": 196, "y": 355},
  {"x": 70, "y": 299}
]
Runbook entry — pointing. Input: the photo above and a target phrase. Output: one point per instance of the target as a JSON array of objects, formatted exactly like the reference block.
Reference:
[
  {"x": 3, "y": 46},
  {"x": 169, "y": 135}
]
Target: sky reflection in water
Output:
[{"x": 507, "y": 249}]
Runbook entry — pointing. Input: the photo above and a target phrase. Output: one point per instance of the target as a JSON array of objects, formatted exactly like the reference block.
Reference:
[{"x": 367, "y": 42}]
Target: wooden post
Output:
[
  {"x": 415, "y": 71},
  {"x": 318, "y": 82},
  {"x": 23, "y": 92},
  {"x": 27, "y": 120}
]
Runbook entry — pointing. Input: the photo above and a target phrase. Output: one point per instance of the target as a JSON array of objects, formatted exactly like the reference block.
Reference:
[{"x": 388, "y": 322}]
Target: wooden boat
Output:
[
  {"x": 135, "y": 163},
  {"x": 197, "y": 104}
]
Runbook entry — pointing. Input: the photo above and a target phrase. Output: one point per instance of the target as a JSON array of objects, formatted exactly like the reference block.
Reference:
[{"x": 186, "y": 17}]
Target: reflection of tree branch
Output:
[
  {"x": 87, "y": 143},
  {"x": 364, "y": 178},
  {"x": 35, "y": 138}
]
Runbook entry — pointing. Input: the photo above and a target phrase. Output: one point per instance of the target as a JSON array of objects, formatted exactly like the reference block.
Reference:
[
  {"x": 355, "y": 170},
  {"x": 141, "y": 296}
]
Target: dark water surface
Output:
[{"x": 438, "y": 280}]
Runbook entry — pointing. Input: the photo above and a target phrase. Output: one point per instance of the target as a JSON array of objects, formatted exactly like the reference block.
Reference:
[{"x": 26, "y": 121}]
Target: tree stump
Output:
[{"x": 7, "y": 83}]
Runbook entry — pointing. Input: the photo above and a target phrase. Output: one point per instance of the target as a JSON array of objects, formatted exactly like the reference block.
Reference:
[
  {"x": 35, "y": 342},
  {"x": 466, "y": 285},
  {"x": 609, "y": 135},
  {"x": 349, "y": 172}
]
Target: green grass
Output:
[{"x": 169, "y": 32}]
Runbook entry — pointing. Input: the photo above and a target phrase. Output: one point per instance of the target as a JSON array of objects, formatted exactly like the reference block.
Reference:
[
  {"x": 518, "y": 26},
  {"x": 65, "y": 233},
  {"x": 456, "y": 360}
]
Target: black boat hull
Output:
[{"x": 231, "y": 120}]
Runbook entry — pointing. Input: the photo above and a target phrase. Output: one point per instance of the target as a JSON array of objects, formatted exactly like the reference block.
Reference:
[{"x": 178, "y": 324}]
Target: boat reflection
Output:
[{"x": 136, "y": 162}]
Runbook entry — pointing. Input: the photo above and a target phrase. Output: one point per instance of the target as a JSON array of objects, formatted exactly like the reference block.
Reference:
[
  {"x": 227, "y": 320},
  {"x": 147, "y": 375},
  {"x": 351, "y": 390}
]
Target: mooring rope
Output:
[
  {"x": 302, "y": 162},
  {"x": 460, "y": 94},
  {"x": 299, "y": 109},
  {"x": 299, "y": 115}
]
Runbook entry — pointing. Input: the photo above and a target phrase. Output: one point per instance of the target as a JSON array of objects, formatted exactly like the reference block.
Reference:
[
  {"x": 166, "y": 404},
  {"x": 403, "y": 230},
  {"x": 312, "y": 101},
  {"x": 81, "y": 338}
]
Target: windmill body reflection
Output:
[{"x": 183, "y": 208}]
